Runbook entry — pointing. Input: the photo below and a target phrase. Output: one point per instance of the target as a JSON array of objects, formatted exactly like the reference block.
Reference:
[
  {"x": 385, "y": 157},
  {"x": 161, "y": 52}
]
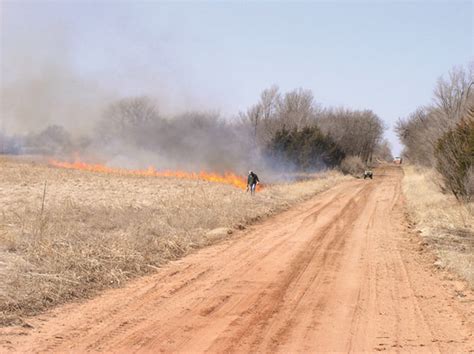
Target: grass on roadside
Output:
[{"x": 445, "y": 223}]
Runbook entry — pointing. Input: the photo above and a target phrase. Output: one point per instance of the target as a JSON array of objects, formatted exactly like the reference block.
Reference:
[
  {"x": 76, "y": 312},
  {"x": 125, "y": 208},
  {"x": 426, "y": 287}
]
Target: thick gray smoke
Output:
[
  {"x": 132, "y": 132},
  {"x": 49, "y": 107}
]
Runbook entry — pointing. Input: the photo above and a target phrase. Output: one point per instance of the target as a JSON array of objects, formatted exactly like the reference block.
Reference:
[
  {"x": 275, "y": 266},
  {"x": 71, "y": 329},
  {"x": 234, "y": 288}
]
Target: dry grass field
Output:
[
  {"x": 95, "y": 231},
  {"x": 446, "y": 224}
]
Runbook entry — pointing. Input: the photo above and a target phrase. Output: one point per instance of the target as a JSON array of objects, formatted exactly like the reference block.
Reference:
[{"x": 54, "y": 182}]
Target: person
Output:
[{"x": 252, "y": 181}]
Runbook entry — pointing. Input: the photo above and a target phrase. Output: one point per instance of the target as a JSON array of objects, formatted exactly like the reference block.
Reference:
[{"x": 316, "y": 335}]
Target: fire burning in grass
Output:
[{"x": 226, "y": 178}]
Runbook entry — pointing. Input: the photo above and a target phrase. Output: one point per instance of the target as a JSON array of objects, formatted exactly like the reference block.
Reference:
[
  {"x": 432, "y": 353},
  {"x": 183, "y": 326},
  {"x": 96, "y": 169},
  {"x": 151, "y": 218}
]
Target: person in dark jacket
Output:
[{"x": 252, "y": 181}]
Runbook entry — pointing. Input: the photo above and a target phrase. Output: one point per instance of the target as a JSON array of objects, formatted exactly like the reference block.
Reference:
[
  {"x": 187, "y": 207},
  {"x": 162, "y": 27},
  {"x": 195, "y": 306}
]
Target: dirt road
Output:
[{"x": 339, "y": 272}]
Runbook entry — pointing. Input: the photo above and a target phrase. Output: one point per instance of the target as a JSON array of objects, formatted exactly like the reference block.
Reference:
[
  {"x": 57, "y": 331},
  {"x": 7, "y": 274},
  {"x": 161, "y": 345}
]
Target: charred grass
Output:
[
  {"x": 446, "y": 224},
  {"x": 96, "y": 231}
]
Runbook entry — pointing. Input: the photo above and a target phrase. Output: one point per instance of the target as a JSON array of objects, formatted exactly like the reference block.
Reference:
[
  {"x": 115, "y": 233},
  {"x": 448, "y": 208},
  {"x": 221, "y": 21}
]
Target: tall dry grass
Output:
[
  {"x": 445, "y": 223},
  {"x": 97, "y": 231}
]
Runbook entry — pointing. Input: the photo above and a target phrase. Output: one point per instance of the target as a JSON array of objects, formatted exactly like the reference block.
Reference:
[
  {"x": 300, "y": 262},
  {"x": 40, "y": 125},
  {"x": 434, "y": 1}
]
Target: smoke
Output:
[
  {"x": 55, "y": 69},
  {"x": 39, "y": 85},
  {"x": 54, "y": 104},
  {"x": 129, "y": 101},
  {"x": 132, "y": 132}
]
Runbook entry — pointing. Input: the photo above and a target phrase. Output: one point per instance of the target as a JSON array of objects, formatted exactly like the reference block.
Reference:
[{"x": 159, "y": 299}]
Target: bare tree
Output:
[
  {"x": 261, "y": 116},
  {"x": 293, "y": 110},
  {"x": 253, "y": 116},
  {"x": 127, "y": 118},
  {"x": 383, "y": 151},
  {"x": 452, "y": 94},
  {"x": 419, "y": 134},
  {"x": 357, "y": 132},
  {"x": 423, "y": 128},
  {"x": 297, "y": 108},
  {"x": 269, "y": 100}
]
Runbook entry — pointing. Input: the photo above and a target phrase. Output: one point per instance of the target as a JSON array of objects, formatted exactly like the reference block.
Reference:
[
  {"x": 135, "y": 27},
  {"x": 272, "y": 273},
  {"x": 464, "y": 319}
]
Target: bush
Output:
[
  {"x": 454, "y": 156},
  {"x": 352, "y": 165},
  {"x": 307, "y": 149}
]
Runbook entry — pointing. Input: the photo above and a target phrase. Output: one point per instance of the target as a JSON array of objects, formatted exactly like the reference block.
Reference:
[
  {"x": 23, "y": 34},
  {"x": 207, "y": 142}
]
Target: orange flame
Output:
[{"x": 226, "y": 178}]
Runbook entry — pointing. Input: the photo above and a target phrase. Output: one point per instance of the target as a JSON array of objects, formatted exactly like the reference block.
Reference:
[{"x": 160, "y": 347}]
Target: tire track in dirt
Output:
[{"x": 336, "y": 273}]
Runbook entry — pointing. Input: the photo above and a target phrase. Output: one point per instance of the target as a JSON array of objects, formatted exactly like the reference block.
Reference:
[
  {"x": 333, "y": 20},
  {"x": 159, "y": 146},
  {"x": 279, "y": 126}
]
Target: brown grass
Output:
[
  {"x": 96, "y": 231},
  {"x": 446, "y": 224}
]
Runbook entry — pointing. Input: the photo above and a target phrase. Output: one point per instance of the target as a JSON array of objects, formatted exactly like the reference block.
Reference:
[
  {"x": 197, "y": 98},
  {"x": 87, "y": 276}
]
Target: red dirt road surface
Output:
[{"x": 340, "y": 272}]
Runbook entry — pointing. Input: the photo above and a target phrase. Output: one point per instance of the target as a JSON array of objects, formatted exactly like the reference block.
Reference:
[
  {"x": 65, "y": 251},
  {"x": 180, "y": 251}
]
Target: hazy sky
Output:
[{"x": 384, "y": 56}]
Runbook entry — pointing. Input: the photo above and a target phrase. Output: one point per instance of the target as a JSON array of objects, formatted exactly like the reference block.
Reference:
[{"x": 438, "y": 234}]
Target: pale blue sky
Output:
[{"x": 384, "y": 56}]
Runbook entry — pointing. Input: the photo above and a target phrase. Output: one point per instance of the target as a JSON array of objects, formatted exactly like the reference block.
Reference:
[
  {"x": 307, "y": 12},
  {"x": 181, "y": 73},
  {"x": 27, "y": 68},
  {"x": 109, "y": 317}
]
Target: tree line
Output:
[
  {"x": 281, "y": 131},
  {"x": 294, "y": 128},
  {"x": 440, "y": 135}
]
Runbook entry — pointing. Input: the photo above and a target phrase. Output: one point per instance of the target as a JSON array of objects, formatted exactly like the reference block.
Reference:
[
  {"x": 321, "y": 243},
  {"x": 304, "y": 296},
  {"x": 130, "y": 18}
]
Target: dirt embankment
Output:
[{"x": 340, "y": 272}]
